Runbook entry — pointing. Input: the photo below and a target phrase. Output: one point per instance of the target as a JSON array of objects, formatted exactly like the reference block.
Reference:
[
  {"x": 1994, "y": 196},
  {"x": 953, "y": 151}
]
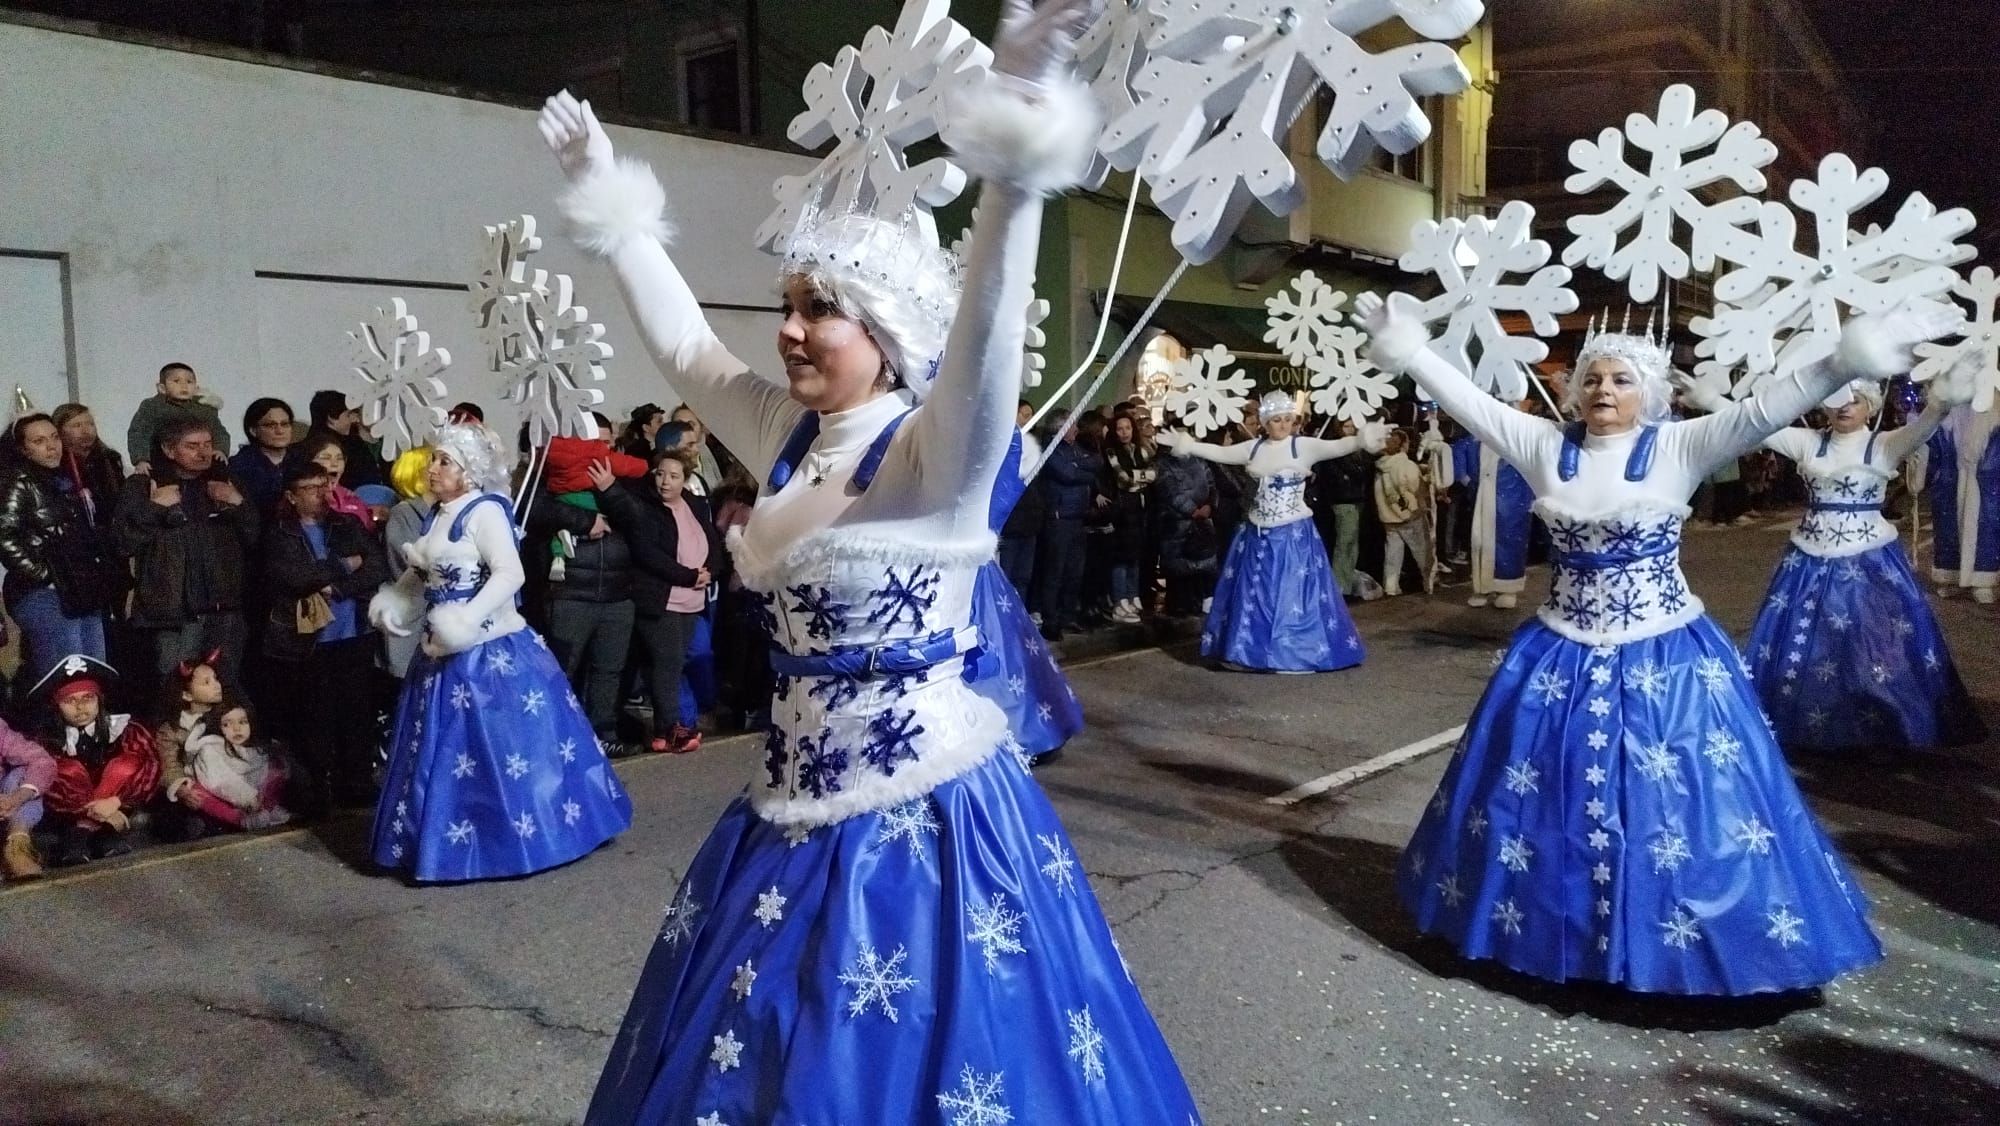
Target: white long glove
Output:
[
  {"x": 1036, "y": 44},
  {"x": 1396, "y": 329},
  {"x": 571, "y": 130}
]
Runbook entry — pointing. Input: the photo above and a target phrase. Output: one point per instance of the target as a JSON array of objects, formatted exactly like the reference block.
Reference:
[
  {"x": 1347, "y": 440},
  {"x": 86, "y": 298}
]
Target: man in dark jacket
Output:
[
  {"x": 1344, "y": 487},
  {"x": 1068, "y": 482},
  {"x": 324, "y": 673},
  {"x": 189, "y": 532},
  {"x": 588, "y": 603},
  {"x": 1182, "y": 507}
]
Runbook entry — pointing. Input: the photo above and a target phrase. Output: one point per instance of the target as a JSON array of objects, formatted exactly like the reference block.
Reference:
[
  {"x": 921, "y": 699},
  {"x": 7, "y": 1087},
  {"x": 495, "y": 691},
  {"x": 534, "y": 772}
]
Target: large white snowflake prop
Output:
[
  {"x": 873, "y": 102},
  {"x": 1666, "y": 191},
  {"x": 1109, "y": 56},
  {"x": 1780, "y": 308},
  {"x": 1301, "y": 327},
  {"x": 1226, "y": 79},
  {"x": 399, "y": 370},
  {"x": 1979, "y": 348},
  {"x": 1205, "y": 394},
  {"x": 1472, "y": 258},
  {"x": 1344, "y": 384},
  {"x": 501, "y": 287},
  {"x": 547, "y": 351}
]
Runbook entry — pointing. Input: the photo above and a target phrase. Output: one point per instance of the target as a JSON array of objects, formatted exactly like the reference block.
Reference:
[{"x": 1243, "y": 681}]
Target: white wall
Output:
[{"x": 169, "y": 179}]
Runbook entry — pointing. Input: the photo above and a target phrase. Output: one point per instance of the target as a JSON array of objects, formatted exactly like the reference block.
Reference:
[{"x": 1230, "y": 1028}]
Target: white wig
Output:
[
  {"x": 891, "y": 277},
  {"x": 476, "y": 450},
  {"x": 1643, "y": 356},
  {"x": 1277, "y": 404},
  {"x": 1867, "y": 390}
]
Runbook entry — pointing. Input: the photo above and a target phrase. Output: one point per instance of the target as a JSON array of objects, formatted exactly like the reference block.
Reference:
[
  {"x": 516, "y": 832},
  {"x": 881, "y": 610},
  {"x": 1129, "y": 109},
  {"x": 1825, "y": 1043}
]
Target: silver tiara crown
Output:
[
  {"x": 898, "y": 253},
  {"x": 1647, "y": 352}
]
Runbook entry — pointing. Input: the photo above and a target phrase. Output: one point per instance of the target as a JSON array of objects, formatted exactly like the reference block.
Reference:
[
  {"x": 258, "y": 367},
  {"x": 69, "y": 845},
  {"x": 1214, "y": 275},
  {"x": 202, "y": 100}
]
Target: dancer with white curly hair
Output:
[
  {"x": 1846, "y": 651},
  {"x": 494, "y": 770},
  {"x": 1618, "y": 811},
  {"x": 890, "y": 926}
]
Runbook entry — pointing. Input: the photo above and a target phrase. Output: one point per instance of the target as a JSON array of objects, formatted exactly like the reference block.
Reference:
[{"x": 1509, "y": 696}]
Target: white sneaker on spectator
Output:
[
  {"x": 1476, "y": 600},
  {"x": 1506, "y": 601},
  {"x": 1036, "y": 617},
  {"x": 1206, "y": 603}
]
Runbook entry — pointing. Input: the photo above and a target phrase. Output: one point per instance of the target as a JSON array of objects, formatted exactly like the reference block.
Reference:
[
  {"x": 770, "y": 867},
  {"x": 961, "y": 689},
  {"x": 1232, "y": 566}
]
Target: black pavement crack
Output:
[
  {"x": 1194, "y": 879},
  {"x": 534, "y": 1014},
  {"x": 333, "y": 1036}
]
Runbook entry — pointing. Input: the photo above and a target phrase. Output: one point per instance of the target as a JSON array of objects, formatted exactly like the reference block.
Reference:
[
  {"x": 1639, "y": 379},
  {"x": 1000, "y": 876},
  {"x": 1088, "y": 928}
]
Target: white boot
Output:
[
  {"x": 1505, "y": 601},
  {"x": 1476, "y": 600},
  {"x": 1983, "y": 595}
]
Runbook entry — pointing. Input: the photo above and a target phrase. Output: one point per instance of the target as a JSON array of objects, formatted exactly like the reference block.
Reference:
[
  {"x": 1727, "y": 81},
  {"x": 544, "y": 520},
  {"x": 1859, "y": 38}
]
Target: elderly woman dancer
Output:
[
  {"x": 1277, "y": 606},
  {"x": 1617, "y": 810},
  {"x": 493, "y": 768},
  {"x": 890, "y": 926},
  {"x": 1846, "y": 651}
]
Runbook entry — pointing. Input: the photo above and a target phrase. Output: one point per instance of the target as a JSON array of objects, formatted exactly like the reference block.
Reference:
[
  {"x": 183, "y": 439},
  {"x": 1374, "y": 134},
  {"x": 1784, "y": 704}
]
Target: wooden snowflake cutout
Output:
[
  {"x": 1473, "y": 258},
  {"x": 399, "y": 373},
  {"x": 1205, "y": 395},
  {"x": 1978, "y": 350}
]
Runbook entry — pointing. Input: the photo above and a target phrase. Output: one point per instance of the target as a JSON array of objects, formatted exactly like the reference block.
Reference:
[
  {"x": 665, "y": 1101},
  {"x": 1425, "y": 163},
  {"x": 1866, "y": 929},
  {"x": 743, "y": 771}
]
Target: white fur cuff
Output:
[
  {"x": 395, "y": 609},
  {"x": 454, "y": 628},
  {"x": 1035, "y": 137},
  {"x": 613, "y": 205}
]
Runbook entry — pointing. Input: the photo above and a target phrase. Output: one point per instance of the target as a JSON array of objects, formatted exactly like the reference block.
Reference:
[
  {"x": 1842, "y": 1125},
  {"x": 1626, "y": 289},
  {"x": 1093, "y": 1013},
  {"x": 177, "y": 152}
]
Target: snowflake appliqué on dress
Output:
[
  {"x": 1508, "y": 915},
  {"x": 1786, "y": 927},
  {"x": 770, "y": 907},
  {"x": 1522, "y": 778},
  {"x": 1669, "y": 852},
  {"x": 826, "y": 615},
  {"x": 995, "y": 929},
  {"x": 681, "y": 914},
  {"x": 1754, "y": 836},
  {"x": 1549, "y": 685},
  {"x": 977, "y": 1101},
  {"x": 821, "y": 765},
  {"x": 1086, "y": 1044},
  {"x": 1680, "y": 929},
  {"x": 892, "y": 738},
  {"x": 910, "y": 822},
  {"x": 1060, "y": 869},
  {"x": 905, "y": 600},
  {"x": 1648, "y": 678},
  {"x": 1722, "y": 749},
  {"x": 876, "y": 981},
  {"x": 1658, "y": 763},
  {"x": 1515, "y": 853}
]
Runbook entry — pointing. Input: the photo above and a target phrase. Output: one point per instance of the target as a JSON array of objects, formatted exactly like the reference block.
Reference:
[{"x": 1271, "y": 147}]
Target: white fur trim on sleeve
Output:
[
  {"x": 394, "y": 606},
  {"x": 618, "y": 203},
  {"x": 1035, "y": 137}
]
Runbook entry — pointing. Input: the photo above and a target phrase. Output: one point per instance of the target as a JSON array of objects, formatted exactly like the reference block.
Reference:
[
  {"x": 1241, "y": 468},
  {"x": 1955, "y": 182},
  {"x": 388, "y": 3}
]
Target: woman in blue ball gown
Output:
[
  {"x": 1617, "y": 809},
  {"x": 1277, "y": 606},
  {"x": 1846, "y": 651},
  {"x": 493, "y": 768},
  {"x": 890, "y": 926}
]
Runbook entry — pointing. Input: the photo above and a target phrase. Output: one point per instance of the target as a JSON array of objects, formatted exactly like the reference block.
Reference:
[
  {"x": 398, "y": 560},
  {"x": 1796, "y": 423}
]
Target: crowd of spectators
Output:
[{"x": 195, "y": 652}]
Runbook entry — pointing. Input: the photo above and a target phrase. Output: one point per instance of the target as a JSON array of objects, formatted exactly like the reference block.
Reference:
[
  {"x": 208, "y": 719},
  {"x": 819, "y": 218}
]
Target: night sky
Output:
[{"x": 1929, "y": 72}]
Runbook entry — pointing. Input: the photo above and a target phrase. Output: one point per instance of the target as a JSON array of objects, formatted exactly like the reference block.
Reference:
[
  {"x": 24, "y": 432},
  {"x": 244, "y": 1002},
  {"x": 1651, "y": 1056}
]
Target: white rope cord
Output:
[
  {"x": 1125, "y": 345},
  {"x": 1104, "y": 317}
]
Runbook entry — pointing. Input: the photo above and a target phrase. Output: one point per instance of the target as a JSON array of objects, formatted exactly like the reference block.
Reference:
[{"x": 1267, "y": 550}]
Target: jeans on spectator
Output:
[
  {"x": 1017, "y": 561},
  {"x": 29, "y": 815},
  {"x": 1124, "y": 582},
  {"x": 590, "y": 641},
  {"x": 48, "y": 635},
  {"x": 1346, "y": 544},
  {"x": 1059, "y": 576},
  {"x": 1415, "y": 535},
  {"x": 666, "y": 639},
  {"x": 222, "y": 631}
]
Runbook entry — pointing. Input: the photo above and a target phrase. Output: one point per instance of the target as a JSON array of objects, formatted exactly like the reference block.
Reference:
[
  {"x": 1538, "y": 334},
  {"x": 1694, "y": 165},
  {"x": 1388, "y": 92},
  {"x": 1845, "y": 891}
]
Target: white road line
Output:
[{"x": 1348, "y": 776}]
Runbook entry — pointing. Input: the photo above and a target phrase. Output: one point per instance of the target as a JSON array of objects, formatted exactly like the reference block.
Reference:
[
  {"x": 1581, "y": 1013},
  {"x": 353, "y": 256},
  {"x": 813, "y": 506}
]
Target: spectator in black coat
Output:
[
  {"x": 332, "y": 415},
  {"x": 588, "y": 602},
  {"x": 320, "y": 568},
  {"x": 189, "y": 532},
  {"x": 676, "y": 556},
  {"x": 1069, "y": 485}
]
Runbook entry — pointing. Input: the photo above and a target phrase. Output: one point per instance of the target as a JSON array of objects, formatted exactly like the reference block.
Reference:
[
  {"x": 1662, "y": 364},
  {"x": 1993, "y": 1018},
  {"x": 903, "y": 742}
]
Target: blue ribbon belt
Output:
[
  {"x": 1598, "y": 560},
  {"x": 434, "y": 596},
  {"x": 868, "y": 662},
  {"x": 1845, "y": 506}
]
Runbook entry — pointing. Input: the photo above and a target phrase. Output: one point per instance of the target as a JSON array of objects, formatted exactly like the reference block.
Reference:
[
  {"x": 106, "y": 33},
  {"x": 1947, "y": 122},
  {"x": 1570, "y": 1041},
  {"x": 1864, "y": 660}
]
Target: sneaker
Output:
[
  {"x": 1477, "y": 600},
  {"x": 1206, "y": 603}
]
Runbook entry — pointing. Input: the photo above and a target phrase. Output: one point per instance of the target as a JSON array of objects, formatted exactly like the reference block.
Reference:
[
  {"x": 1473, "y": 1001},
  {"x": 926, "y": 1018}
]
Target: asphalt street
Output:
[{"x": 275, "y": 980}]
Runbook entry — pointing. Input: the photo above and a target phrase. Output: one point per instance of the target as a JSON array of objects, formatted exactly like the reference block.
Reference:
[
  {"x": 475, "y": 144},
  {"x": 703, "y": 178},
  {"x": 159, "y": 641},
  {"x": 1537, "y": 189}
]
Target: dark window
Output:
[{"x": 712, "y": 84}]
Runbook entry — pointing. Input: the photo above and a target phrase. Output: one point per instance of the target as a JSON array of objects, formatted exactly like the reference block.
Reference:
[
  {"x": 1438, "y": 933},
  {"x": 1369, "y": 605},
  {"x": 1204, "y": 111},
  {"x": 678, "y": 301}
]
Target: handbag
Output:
[{"x": 312, "y": 613}]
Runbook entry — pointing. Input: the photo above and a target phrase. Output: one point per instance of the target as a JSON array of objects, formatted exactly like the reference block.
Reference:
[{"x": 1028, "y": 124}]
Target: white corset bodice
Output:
[
  {"x": 1616, "y": 576},
  {"x": 1281, "y": 499},
  {"x": 453, "y": 567},
  {"x": 1844, "y": 510},
  {"x": 844, "y": 744}
]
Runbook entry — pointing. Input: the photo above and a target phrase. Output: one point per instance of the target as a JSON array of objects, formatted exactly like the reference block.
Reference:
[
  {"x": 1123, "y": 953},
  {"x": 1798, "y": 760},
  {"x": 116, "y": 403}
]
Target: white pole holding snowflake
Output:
[
  {"x": 873, "y": 102},
  {"x": 1225, "y": 81},
  {"x": 401, "y": 391}
]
